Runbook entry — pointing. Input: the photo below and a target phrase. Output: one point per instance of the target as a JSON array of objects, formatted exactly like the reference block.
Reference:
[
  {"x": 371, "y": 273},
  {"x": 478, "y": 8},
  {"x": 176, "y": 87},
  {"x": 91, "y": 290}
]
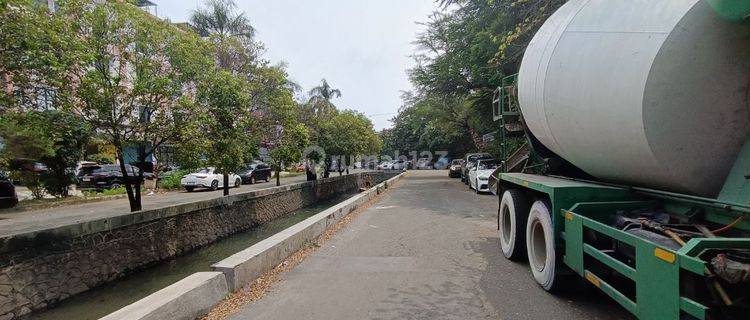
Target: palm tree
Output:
[
  {"x": 231, "y": 30},
  {"x": 321, "y": 96},
  {"x": 219, "y": 17}
]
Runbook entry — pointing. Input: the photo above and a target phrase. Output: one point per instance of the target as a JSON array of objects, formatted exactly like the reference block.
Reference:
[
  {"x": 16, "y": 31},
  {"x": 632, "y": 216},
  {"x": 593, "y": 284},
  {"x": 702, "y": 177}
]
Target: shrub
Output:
[{"x": 172, "y": 181}]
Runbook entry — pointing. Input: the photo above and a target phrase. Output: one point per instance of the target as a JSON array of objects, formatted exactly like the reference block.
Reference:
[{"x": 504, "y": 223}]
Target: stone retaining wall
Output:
[{"x": 42, "y": 268}]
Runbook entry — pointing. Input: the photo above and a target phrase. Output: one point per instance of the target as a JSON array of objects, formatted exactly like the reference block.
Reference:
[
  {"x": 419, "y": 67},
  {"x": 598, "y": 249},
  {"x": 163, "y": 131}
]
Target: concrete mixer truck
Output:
[{"x": 636, "y": 171}]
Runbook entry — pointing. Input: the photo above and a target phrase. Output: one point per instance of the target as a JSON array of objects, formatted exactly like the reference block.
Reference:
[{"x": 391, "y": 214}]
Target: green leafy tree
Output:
[
  {"x": 70, "y": 135},
  {"x": 345, "y": 135},
  {"x": 231, "y": 32},
  {"x": 321, "y": 98},
  {"x": 228, "y": 125},
  {"x": 134, "y": 88},
  {"x": 466, "y": 50},
  {"x": 220, "y": 17},
  {"x": 40, "y": 53},
  {"x": 54, "y": 138},
  {"x": 283, "y": 133}
]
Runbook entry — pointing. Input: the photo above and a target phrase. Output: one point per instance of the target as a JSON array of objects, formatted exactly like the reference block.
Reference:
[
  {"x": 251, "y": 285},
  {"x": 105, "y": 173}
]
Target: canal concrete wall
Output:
[
  {"x": 41, "y": 268},
  {"x": 194, "y": 296}
]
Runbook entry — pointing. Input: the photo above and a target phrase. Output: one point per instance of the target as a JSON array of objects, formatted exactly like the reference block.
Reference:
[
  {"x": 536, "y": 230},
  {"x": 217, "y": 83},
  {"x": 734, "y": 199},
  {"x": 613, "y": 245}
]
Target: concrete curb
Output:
[
  {"x": 245, "y": 266},
  {"x": 194, "y": 296},
  {"x": 188, "y": 299}
]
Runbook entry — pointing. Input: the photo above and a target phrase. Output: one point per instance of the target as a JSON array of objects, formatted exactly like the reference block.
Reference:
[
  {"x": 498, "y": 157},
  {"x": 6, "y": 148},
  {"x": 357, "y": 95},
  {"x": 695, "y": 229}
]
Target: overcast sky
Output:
[{"x": 361, "y": 47}]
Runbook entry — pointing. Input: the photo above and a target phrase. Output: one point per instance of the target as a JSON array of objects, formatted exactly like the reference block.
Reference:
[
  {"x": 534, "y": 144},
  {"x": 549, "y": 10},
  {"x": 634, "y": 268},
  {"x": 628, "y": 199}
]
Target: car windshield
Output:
[
  {"x": 486, "y": 165},
  {"x": 456, "y": 162},
  {"x": 478, "y": 156},
  {"x": 107, "y": 168},
  {"x": 252, "y": 166},
  {"x": 204, "y": 171}
]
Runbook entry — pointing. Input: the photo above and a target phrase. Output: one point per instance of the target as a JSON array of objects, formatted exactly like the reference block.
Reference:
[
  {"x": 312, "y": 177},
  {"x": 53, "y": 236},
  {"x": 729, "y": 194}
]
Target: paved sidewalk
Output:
[
  {"x": 427, "y": 250},
  {"x": 34, "y": 220}
]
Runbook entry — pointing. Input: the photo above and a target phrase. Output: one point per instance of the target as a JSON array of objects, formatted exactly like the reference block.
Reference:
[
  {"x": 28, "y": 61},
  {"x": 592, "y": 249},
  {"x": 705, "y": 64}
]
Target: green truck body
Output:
[
  {"x": 657, "y": 273},
  {"x": 650, "y": 278}
]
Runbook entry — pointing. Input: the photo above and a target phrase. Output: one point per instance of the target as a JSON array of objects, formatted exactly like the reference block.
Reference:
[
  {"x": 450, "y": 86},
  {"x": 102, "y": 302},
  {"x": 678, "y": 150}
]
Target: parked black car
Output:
[
  {"x": 254, "y": 172},
  {"x": 109, "y": 176},
  {"x": 86, "y": 170},
  {"x": 470, "y": 161},
  {"x": 454, "y": 170},
  {"x": 8, "y": 196}
]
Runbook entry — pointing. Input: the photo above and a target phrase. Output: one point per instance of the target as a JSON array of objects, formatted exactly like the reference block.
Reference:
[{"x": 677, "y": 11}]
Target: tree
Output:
[
  {"x": 344, "y": 135},
  {"x": 466, "y": 50},
  {"x": 39, "y": 60},
  {"x": 136, "y": 88},
  {"x": 284, "y": 135},
  {"x": 227, "y": 123},
  {"x": 231, "y": 32},
  {"x": 320, "y": 99},
  {"x": 219, "y": 17},
  {"x": 39, "y": 54},
  {"x": 70, "y": 135}
]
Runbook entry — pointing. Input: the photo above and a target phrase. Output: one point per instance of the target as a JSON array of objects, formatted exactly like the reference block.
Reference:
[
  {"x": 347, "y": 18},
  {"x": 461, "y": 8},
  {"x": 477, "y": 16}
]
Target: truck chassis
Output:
[{"x": 649, "y": 276}]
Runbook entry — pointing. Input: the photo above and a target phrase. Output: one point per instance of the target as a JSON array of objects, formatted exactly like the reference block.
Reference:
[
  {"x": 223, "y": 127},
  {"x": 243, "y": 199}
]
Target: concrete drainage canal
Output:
[{"x": 89, "y": 271}]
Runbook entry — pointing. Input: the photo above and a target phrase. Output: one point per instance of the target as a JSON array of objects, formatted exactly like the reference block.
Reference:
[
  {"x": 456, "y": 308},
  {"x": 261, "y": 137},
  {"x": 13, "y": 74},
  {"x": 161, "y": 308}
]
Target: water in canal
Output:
[{"x": 104, "y": 300}]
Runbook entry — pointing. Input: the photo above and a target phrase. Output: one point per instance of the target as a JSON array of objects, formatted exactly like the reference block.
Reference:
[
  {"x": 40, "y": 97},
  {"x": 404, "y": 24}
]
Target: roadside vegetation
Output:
[
  {"x": 468, "y": 47},
  {"x": 110, "y": 83}
]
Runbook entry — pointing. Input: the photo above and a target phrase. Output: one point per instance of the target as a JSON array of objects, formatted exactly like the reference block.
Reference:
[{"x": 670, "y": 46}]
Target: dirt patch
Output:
[{"x": 258, "y": 288}]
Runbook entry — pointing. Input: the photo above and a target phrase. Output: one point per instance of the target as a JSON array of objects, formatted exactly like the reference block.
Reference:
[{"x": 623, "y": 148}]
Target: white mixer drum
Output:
[{"x": 648, "y": 93}]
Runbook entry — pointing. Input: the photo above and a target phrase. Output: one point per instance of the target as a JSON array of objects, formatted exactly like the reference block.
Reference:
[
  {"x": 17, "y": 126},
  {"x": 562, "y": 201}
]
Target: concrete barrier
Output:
[
  {"x": 43, "y": 264},
  {"x": 245, "y": 266},
  {"x": 188, "y": 299},
  {"x": 195, "y": 295}
]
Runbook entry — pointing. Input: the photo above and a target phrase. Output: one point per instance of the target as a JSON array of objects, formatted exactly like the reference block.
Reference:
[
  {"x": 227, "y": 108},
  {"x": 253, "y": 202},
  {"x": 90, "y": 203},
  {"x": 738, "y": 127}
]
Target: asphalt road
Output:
[
  {"x": 427, "y": 250},
  {"x": 25, "y": 221}
]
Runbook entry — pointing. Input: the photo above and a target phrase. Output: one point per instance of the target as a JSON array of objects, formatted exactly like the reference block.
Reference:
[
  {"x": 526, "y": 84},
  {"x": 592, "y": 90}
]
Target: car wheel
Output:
[
  {"x": 540, "y": 246},
  {"x": 237, "y": 183},
  {"x": 189, "y": 189},
  {"x": 476, "y": 186},
  {"x": 215, "y": 185},
  {"x": 252, "y": 179},
  {"x": 115, "y": 185},
  {"x": 511, "y": 221},
  {"x": 268, "y": 177}
]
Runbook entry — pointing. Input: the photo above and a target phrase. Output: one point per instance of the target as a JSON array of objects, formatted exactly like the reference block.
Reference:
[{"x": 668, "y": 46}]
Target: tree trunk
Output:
[
  {"x": 155, "y": 167},
  {"x": 134, "y": 202},
  {"x": 311, "y": 175},
  {"x": 226, "y": 183},
  {"x": 278, "y": 176},
  {"x": 327, "y": 169},
  {"x": 139, "y": 181}
]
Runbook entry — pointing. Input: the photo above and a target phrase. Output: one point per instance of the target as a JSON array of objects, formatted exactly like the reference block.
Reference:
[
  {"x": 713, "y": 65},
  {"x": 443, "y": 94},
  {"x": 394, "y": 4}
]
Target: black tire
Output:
[
  {"x": 511, "y": 220},
  {"x": 189, "y": 189},
  {"x": 476, "y": 186},
  {"x": 237, "y": 183},
  {"x": 252, "y": 179},
  {"x": 268, "y": 177},
  {"x": 214, "y": 185},
  {"x": 115, "y": 185},
  {"x": 540, "y": 247}
]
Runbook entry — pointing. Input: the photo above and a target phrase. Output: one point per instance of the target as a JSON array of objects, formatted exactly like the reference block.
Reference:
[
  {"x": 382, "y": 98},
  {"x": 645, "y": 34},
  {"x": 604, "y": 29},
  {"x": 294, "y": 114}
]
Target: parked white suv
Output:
[{"x": 208, "y": 178}]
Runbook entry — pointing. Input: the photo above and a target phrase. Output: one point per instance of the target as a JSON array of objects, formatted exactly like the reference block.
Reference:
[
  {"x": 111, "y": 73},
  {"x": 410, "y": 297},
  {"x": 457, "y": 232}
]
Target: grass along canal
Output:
[{"x": 106, "y": 299}]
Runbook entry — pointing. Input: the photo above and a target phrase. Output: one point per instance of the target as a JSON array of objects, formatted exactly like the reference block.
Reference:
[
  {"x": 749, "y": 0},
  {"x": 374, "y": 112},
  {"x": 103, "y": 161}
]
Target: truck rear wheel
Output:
[
  {"x": 512, "y": 215},
  {"x": 540, "y": 246}
]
